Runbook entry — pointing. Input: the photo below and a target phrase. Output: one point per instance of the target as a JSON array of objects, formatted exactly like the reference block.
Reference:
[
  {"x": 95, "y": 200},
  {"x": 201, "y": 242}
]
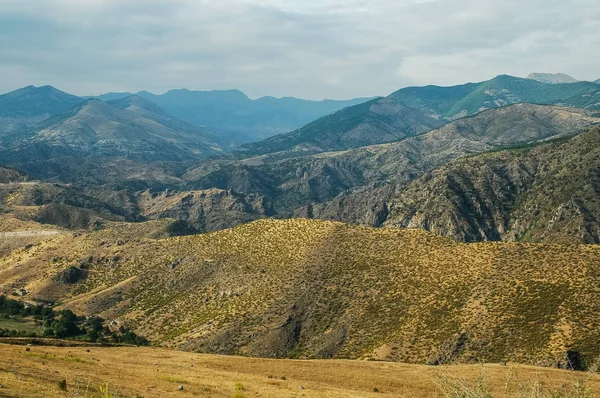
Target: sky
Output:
[{"x": 312, "y": 49}]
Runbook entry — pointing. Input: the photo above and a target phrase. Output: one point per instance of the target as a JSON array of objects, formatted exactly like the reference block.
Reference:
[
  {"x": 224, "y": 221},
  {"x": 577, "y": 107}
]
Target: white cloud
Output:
[{"x": 308, "y": 48}]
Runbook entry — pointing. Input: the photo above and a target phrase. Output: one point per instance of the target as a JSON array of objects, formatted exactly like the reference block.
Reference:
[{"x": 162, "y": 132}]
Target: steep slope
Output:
[
  {"x": 25, "y": 107},
  {"x": 305, "y": 288},
  {"x": 552, "y": 78},
  {"x": 234, "y": 116},
  {"x": 458, "y": 101},
  {"x": 549, "y": 193},
  {"x": 310, "y": 180},
  {"x": 374, "y": 122},
  {"x": 95, "y": 128}
]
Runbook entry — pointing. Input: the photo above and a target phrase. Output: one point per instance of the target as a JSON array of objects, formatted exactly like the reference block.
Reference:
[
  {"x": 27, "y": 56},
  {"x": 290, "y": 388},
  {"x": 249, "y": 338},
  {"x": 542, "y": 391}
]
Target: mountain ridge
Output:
[{"x": 375, "y": 122}]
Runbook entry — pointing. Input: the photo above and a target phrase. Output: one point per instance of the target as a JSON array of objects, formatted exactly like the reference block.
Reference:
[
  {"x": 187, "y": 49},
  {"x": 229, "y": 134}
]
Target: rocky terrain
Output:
[{"x": 549, "y": 193}]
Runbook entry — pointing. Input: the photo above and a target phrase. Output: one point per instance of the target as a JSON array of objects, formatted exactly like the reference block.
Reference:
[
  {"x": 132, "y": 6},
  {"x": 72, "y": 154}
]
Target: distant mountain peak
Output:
[{"x": 552, "y": 78}]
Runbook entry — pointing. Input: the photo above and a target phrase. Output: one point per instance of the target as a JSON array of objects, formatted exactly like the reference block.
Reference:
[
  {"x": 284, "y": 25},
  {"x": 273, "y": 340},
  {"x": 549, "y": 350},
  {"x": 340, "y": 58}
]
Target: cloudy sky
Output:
[{"x": 305, "y": 48}]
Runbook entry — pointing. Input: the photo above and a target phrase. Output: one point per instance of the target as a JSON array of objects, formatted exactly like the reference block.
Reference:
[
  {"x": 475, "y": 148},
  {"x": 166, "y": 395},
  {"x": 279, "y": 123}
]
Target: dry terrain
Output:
[
  {"x": 151, "y": 372},
  {"x": 316, "y": 289}
]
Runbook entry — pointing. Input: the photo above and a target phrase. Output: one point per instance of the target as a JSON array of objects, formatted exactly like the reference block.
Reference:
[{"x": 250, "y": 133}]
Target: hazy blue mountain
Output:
[
  {"x": 36, "y": 101},
  {"x": 458, "y": 101},
  {"x": 100, "y": 129},
  {"x": 27, "y": 106},
  {"x": 231, "y": 114},
  {"x": 552, "y": 78},
  {"x": 150, "y": 110},
  {"x": 375, "y": 122}
]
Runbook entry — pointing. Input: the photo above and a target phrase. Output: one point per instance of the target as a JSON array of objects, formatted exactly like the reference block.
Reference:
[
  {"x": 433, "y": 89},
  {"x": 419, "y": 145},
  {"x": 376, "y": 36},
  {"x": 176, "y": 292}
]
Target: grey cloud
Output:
[{"x": 311, "y": 49}]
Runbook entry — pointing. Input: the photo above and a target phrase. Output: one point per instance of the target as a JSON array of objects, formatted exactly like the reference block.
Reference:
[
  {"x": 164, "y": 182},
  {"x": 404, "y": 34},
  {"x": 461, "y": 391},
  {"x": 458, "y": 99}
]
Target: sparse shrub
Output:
[
  {"x": 62, "y": 385},
  {"x": 375, "y": 389},
  {"x": 239, "y": 386}
]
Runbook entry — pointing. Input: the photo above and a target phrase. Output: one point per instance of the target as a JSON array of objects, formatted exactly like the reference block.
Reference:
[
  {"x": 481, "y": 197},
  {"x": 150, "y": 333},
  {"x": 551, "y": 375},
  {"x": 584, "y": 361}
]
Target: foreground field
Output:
[{"x": 150, "y": 372}]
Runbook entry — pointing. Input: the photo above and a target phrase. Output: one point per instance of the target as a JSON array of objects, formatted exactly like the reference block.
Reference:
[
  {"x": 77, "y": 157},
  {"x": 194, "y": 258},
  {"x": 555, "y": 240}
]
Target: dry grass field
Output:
[{"x": 153, "y": 372}]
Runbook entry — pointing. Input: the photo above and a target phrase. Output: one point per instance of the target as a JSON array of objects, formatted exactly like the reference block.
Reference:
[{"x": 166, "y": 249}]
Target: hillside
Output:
[
  {"x": 548, "y": 193},
  {"x": 150, "y": 110},
  {"x": 25, "y": 107},
  {"x": 308, "y": 181},
  {"x": 158, "y": 373},
  {"x": 10, "y": 175},
  {"x": 552, "y": 78},
  {"x": 374, "y": 122},
  {"x": 96, "y": 128},
  {"x": 305, "y": 289},
  {"x": 36, "y": 102},
  {"x": 458, "y": 101},
  {"x": 234, "y": 116},
  {"x": 202, "y": 211}
]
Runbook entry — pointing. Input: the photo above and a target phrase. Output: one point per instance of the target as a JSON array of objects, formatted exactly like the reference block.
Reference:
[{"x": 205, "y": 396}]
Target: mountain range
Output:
[
  {"x": 415, "y": 110},
  {"x": 355, "y": 185},
  {"x": 231, "y": 114},
  {"x": 436, "y": 225}
]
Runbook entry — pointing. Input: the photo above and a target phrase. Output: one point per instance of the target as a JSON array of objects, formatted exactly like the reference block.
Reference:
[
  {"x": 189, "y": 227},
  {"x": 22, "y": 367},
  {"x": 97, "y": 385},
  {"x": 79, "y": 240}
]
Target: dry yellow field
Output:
[{"x": 152, "y": 372}]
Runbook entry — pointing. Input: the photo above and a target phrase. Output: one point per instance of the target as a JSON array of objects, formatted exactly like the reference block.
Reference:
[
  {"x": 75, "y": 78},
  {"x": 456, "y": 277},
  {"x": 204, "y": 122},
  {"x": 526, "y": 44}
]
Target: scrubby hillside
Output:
[
  {"x": 305, "y": 288},
  {"x": 374, "y": 122},
  {"x": 547, "y": 193}
]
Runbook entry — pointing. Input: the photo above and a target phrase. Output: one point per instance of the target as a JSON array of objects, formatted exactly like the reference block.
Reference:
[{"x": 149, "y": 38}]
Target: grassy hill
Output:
[
  {"x": 315, "y": 289},
  {"x": 159, "y": 373}
]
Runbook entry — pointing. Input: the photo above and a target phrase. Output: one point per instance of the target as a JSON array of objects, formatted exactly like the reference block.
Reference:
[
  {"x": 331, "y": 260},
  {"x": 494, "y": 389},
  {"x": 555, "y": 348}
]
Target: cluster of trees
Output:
[{"x": 64, "y": 325}]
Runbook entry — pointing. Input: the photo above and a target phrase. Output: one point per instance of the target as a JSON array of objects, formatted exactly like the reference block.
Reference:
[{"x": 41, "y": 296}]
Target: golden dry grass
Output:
[{"x": 151, "y": 372}]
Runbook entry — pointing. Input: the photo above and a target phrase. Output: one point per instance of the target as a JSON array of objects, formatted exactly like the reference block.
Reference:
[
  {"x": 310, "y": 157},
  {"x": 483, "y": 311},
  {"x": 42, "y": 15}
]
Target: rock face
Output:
[
  {"x": 210, "y": 210},
  {"x": 552, "y": 78},
  {"x": 70, "y": 275},
  {"x": 550, "y": 193}
]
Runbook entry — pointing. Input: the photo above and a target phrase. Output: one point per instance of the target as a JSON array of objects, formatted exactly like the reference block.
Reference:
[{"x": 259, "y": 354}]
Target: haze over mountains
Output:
[
  {"x": 235, "y": 116},
  {"x": 413, "y": 110}
]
